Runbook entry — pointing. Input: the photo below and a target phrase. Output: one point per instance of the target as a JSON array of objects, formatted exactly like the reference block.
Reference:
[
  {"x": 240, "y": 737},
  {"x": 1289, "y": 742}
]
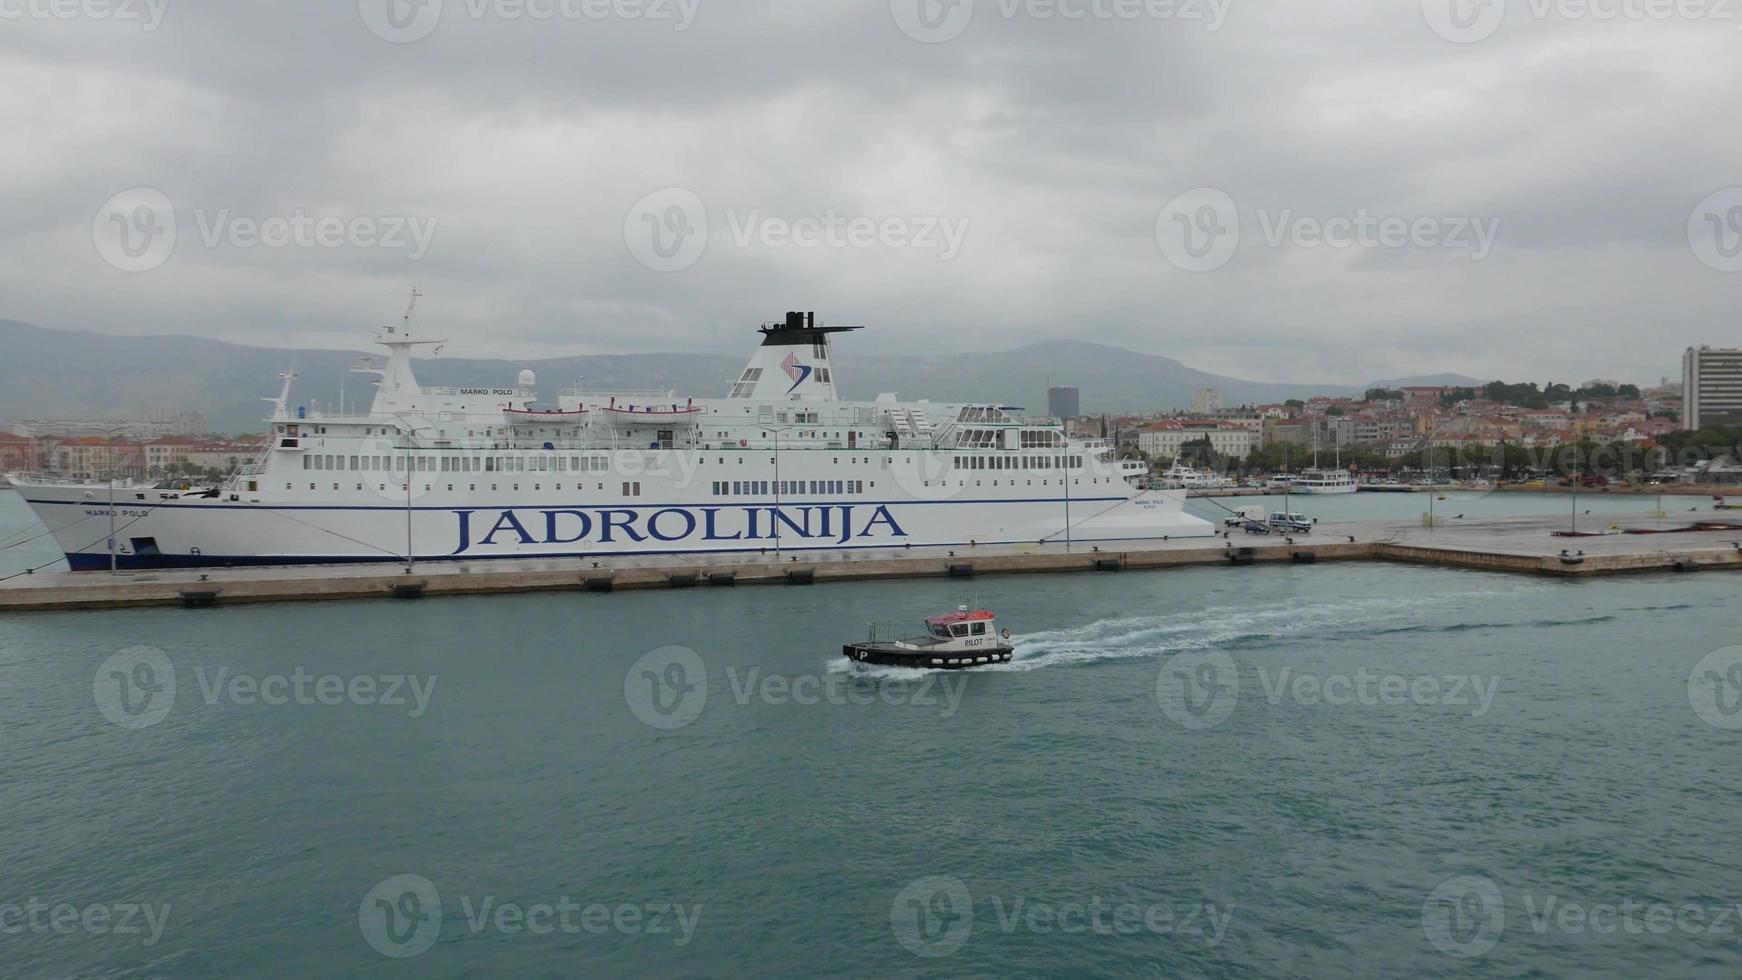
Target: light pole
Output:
[{"x": 109, "y": 448}]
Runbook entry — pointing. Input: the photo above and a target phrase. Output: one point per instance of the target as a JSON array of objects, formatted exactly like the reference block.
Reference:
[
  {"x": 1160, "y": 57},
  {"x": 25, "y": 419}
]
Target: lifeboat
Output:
[
  {"x": 652, "y": 412},
  {"x": 952, "y": 641},
  {"x": 556, "y": 416}
]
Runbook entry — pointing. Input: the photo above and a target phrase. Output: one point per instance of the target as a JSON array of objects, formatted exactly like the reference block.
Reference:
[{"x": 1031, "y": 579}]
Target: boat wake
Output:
[{"x": 1216, "y": 627}]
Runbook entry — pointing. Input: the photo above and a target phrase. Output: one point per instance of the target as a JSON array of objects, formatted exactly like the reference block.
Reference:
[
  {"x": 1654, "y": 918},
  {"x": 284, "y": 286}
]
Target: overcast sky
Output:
[{"x": 658, "y": 176}]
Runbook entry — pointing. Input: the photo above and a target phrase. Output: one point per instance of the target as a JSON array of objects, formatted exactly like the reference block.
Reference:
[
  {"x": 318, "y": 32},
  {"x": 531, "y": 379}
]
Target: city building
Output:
[
  {"x": 159, "y": 425},
  {"x": 1711, "y": 386},
  {"x": 1063, "y": 403},
  {"x": 1166, "y": 438},
  {"x": 1206, "y": 401}
]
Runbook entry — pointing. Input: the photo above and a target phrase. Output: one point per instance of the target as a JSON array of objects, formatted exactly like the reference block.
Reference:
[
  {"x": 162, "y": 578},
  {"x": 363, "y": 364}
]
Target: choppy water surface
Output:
[{"x": 1337, "y": 770}]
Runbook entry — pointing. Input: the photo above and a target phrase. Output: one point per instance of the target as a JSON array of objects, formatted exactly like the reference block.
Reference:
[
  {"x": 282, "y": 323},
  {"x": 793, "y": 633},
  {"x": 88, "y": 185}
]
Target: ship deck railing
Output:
[
  {"x": 39, "y": 479},
  {"x": 586, "y": 394}
]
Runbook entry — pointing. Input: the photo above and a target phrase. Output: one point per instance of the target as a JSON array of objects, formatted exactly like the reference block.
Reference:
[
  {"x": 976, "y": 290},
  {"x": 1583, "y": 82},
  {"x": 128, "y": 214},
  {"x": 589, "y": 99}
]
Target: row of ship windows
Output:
[
  {"x": 1016, "y": 462},
  {"x": 459, "y": 464},
  {"x": 600, "y": 464},
  {"x": 735, "y": 488},
  {"x": 630, "y": 488},
  {"x": 748, "y": 488}
]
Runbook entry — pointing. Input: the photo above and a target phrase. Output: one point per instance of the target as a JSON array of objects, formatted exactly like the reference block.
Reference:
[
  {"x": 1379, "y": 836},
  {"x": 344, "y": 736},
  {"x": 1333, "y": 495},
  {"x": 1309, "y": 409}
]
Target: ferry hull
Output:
[
  {"x": 219, "y": 532},
  {"x": 888, "y": 655}
]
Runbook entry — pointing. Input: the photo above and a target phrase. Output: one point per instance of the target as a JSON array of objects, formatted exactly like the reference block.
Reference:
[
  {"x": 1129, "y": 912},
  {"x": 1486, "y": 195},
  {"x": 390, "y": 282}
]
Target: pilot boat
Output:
[{"x": 952, "y": 641}]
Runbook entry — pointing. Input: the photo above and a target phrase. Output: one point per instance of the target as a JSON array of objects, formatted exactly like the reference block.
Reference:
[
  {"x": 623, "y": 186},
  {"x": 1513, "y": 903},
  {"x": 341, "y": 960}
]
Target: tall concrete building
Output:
[
  {"x": 1206, "y": 401},
  {"x": 1711, "y": 386},
  {"x": 1063, "y": 403}
]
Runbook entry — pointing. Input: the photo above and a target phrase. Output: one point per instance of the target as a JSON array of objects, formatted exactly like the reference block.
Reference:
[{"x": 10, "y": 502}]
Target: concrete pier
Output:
[{"x": 1511, "y": 544}]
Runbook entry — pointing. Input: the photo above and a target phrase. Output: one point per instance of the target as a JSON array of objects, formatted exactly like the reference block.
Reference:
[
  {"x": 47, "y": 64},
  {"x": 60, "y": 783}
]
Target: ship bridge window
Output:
[
  {"x": 979, "y": 629},
  {"x": 960, "y": 629}
]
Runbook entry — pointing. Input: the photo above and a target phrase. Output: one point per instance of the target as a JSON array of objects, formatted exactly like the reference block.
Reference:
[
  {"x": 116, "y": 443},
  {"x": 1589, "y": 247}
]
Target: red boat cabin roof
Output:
[{"x": 960, "y": 617}]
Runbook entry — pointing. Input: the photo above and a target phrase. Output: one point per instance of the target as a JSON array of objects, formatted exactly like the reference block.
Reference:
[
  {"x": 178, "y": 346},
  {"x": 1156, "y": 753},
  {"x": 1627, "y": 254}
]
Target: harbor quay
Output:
[{"x": 1605, "y": 545}]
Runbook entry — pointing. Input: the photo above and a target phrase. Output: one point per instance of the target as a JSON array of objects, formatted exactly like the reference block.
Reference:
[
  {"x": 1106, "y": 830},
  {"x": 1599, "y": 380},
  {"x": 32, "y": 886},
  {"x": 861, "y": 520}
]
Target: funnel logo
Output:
[
  {"x": 1464, "y": 916},
  {"x": 932, "y": 917},
  {"x": 402, "y": 916},
  {"x": 796, "y": 371},
  {"x": 1198, "y": 690},
  {"x": 667, "y": 688},
  {"x": 135, "y": 688},
  {"x": 1715, "y": 688}
]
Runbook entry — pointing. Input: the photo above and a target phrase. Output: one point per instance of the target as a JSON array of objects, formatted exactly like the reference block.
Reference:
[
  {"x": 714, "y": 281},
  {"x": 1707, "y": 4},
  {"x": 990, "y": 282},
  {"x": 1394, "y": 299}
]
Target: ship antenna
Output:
[{"x": 411, "y": 306}]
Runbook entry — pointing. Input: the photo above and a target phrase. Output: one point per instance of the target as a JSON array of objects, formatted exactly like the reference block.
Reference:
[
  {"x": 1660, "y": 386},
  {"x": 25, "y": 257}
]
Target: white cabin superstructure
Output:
[{"x": 479, "y": 472}]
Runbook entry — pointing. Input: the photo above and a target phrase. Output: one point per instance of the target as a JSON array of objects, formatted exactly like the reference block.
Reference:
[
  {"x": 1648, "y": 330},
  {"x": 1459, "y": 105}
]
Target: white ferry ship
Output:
[
  {"x": 780, "y": 463},
  {"x": 1181, "y": 476},
  {"x": 1324, "y": 481}
]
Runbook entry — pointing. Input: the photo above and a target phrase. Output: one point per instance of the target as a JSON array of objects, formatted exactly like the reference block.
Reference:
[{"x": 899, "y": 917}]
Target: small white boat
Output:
[
  {"x": 1182, "y": 476},
  {"x": 964, "y": 638}
]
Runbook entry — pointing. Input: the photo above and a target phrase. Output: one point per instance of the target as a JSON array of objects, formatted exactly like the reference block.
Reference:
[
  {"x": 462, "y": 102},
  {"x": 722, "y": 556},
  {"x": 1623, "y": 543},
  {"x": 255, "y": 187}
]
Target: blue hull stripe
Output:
[{"x": 96, "y": 561}]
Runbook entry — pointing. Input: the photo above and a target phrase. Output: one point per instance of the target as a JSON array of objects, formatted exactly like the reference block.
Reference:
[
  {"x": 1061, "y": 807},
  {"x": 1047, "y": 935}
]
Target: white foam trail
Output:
[{"x": 1126, "y": 638}]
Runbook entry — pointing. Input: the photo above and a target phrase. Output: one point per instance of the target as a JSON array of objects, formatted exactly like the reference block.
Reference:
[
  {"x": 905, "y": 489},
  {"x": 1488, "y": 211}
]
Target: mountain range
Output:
[{"x": 47, "y": 373}]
